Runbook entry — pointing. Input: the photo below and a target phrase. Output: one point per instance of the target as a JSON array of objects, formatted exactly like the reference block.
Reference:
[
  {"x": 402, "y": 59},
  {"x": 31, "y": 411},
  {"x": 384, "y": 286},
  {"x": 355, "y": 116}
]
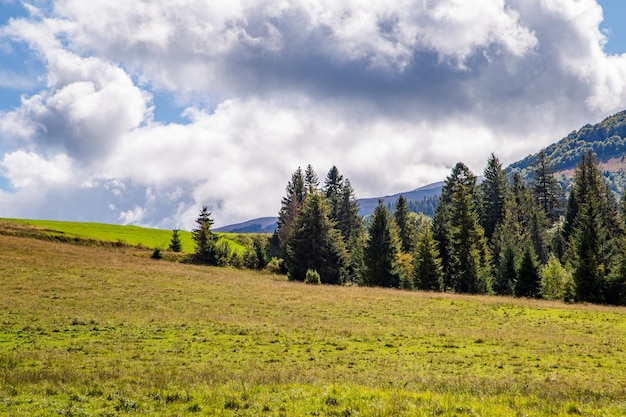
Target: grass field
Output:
[
  {"x": 128, "y": 235},
  {"x": 88, "y": 331}
]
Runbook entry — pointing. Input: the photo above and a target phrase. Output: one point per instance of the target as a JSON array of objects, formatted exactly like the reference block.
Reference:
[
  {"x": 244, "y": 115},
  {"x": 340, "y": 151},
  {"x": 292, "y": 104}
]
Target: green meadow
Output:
[
  {"x": 114, "y": 233},
  {"x": 107, "y": 331}
]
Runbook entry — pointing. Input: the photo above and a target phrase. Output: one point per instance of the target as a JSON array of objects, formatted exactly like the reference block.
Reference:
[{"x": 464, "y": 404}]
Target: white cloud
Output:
[{"x": 392, "y": 93}]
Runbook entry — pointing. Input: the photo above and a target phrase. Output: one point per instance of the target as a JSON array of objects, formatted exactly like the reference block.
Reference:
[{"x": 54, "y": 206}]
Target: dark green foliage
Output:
[
  {"x": 406, "y": 232},
  {"x": 528, "y": 282},
  {"x": 295, "y": 193},
  {"x": 506, "y": 273},
  {"x": 175, "y": 243},
  {"x": 311, "y": 180},
  {"x": 380, "y": 251},
  {"x": 205, "y": 240},
  {"x": 595, "y": 231},
  {"x": 157, "y": 254},
  {"x": 349, "y": 222},
  {"x": 262, "y": 259},
  {"x": 547, "y": 190},
  {"x": 468, "y": 248},
  {"x": 427, "y": 273},
  {"x": 493, "y": 191},
  {"x": 333, "y": 189},
  {"x": 316, "y": 244}
]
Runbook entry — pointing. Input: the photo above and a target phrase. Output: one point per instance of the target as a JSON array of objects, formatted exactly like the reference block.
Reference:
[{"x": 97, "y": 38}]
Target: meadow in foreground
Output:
[{"x": 108, "y": 332}]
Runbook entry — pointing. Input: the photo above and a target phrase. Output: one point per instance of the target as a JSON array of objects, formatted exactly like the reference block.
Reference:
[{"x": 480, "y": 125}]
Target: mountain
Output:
[
  {"x": 606, "y": 139},
  {"x": 261, "y": 225},
  {"x": 422, "y": 199}
]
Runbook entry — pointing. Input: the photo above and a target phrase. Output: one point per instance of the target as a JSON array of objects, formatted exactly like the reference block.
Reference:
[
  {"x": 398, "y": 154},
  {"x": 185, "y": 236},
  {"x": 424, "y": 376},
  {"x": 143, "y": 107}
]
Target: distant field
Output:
[
  {"x": 129, "y": 235},
  {"x": 109, "y": 332}
]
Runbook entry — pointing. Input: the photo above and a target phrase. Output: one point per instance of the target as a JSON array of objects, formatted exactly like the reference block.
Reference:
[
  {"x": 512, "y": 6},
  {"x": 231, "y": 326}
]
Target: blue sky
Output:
[{"x": 140, "y": 112}]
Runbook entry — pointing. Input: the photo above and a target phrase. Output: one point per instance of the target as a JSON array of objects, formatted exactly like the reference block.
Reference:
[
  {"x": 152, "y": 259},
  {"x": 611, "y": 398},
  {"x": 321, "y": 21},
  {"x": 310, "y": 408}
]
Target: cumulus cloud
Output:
[{"x": 392, "y": 93}]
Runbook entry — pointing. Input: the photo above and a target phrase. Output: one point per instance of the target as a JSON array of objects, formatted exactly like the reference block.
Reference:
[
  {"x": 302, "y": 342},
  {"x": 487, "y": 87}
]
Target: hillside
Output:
[
  {"x": 108, "y": 331},
  {"x": 606, "y": 139}
]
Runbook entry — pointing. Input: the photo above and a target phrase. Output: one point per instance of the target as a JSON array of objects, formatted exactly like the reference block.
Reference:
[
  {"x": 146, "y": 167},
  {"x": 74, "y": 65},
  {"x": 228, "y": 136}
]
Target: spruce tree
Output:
[
  {"x": 547, "y": 190},
  {"x": 406, "y": 232},
  {"x": 349, "y": 222},
  {"x": 427, "y": 273},
  {"x": 528, "y": 282},
  {"x": 506, "y": 272},
  {"x": 205, "y": 240},
  {"x": 379, "y": 254},
  {"x": 493, "y": 191},
  {"x": 290, "y": 204},
  {"x": 333, "y": 189},
  {"x": 311, "y": 180},
  {"x": 315, "y": 244},
  {"x": 175, "y": 243}
]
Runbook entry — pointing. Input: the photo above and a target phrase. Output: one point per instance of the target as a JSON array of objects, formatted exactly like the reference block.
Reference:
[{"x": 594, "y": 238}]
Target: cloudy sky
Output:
[{"x": 141, "y": 112}]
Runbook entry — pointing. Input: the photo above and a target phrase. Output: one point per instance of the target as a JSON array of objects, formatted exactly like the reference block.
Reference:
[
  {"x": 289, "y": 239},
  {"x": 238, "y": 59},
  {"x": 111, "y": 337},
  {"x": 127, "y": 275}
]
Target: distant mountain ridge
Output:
[{"x": 606, "y": 139}]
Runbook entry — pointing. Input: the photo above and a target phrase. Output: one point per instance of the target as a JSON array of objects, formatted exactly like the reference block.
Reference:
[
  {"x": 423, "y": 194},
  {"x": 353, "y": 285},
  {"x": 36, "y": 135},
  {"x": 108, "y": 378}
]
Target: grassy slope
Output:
[
  {"x": 129, "y": 235},
  {"x": 93, "y": 331}
]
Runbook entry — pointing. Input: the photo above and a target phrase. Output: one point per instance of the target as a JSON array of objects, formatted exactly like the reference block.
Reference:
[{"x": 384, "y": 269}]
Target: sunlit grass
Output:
[{"x": 108, "y": 331}]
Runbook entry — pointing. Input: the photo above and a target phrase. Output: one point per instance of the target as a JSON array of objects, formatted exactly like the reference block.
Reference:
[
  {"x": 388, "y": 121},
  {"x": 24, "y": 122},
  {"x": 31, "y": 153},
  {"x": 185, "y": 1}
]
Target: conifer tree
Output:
[
  {"x": 506, "y": 272},
  {"x": 406, "y": 233},
  {"x": 528, "y": 282},
  {"x": 333, "y": 189},
  {"x": 315, "y": 243},
  {"x": 295, "y": 193},
  {"x": 311, "y": 180},
  {"x": 547, "y": 190},
  {"x": 379, "y": 254},
  {"x": 175, "y": 243},
  {"x": 493, "y": 192},
  {"x": 205, "y": 240},
  {"x": 349, "y": 222},
  {"x": 427, "y": 273}
]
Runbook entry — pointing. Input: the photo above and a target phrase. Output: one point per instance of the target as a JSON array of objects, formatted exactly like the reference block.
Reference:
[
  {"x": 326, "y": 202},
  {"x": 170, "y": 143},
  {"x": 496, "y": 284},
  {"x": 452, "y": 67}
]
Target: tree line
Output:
[{"x": 502, "y": 236}]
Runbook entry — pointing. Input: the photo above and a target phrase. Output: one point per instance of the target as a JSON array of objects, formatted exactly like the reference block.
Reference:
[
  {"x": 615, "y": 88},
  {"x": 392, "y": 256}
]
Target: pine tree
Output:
[
  {"x": 175, "y": 243},
  {"x": 349, "y": 222},
  {"x": 205, "y": 240},
  {"x": 469, "y": 262},
  {"x": 315, "y": 244},
  {"x": 547, "y": 190},
  {"x": 406, "y": 233},
  {"x": 295, "y": 193},
  {"x": 442, "y": 226},
  {"x": 311, "y": 180},
  {"x": 380, "y": 251},
  {"x": 427, "y": 273},
  {"x": 593, "y": 237},
  {"x": 493, "y": 191},
  {"x": 528, "y": 281},
  {"x": 333, "y": 189}
]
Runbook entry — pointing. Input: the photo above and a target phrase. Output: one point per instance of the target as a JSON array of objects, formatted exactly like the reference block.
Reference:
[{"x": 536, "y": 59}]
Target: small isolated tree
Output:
[
  {"x": 205, "y": 240},
  {"x": 556, "y": 281},
  {"x": 175, "y": 243},
  {"x": 312, "y": 277}
]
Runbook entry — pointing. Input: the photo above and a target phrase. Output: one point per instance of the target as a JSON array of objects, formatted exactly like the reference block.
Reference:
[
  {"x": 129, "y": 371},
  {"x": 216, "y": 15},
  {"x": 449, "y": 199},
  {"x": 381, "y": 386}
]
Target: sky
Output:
[{"x": 142, "y": 112}]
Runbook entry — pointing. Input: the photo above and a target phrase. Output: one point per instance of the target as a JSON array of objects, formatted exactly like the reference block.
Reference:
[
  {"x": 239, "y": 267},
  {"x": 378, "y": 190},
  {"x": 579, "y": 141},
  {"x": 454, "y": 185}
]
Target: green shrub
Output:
[{"x": 312, "y": 277}]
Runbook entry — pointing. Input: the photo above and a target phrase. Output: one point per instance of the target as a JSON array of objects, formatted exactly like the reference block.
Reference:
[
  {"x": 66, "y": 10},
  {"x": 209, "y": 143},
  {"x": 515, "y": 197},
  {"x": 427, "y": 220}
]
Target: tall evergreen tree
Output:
[
  {"x": 315, "y": 243},
  {"x": 595, "y": 230},
  {"x": 349, "y": 222},
  {"x": 469, "y": 264},
  {"x": 333, "y": 187},
  {"x": 506, "y": 272},
  {"x": 442, "y": 226},
  {"x": 547, "y": 190},
  {"x": 493, "y": 191},
  {"x": 295, "y": 193},
  {"x": 406, "y": 232},
  {"x": 311, "y": 180},
  {"x": 379, "y": 254},
  {"x": 205, "y": 240},
  {"x": 427, "y": 273}
]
